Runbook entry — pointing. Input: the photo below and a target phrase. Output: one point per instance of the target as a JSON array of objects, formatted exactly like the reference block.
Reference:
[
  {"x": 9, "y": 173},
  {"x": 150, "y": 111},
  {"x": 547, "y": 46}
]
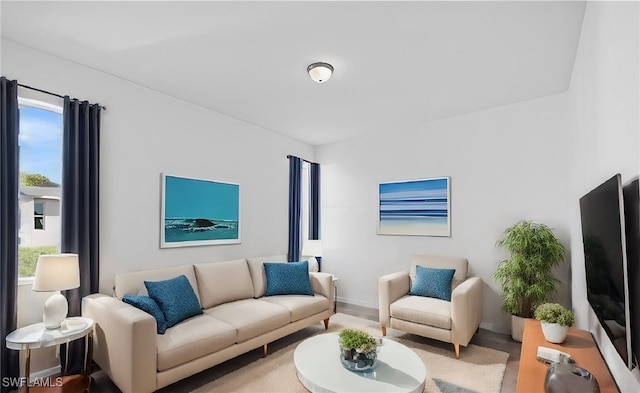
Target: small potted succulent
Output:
[
  {"x": 555, "y": 320},
  {"x": 358, "y": 349}
]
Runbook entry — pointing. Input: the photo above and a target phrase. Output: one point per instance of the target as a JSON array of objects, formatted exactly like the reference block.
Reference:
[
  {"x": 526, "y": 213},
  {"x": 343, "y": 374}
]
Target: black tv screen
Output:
[
  {"x": 605, "y": 257},
  {"x": 631, "y": 192}
]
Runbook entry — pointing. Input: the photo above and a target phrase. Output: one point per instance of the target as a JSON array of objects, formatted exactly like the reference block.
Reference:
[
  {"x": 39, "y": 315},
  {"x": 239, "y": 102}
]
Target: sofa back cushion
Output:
[
  {"x": 133, "y": 283},
  {"x": 442, "y": 262},
  {"x": 258, "y": 275},
  {"x": 222, "y": 282}
]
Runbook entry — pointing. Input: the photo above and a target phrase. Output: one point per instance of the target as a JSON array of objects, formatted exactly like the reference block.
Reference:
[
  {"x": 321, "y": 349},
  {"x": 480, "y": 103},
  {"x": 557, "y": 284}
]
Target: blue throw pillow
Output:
[
  {"x": 175, "y": 298},
  {"x": 432, "y": 282},
  {"x": 288, "y": 278},
  {"x": 148, "y": 305}
]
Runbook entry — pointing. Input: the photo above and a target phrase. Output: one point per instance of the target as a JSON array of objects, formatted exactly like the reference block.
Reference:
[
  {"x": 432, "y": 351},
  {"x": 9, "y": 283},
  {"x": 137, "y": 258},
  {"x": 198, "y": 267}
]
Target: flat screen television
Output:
[
  {"x": 605, "y": 257},
  {"x": 631, "y": 192}
]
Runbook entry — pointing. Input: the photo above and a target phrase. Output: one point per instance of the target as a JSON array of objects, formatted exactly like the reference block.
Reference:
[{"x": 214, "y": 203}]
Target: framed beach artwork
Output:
[
  {"x": 415, "y": 207},
  {"x": 198, "y": 212}
]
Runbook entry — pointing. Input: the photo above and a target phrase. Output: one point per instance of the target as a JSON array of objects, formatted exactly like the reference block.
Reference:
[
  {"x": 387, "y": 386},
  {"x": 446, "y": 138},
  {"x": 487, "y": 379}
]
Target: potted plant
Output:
[
  {"x": 357, "y": 349},
  {"x": 555, "y": 320},
  {"x": 526, "y": 276}
]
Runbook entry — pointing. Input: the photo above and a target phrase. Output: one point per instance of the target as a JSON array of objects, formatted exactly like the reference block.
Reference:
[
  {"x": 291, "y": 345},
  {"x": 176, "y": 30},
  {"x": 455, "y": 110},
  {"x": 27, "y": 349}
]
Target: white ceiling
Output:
[{"x": 397, "y": 64}]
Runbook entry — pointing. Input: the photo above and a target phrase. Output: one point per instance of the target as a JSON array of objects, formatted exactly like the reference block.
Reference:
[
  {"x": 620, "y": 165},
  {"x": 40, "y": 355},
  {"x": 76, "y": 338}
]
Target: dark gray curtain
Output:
[
  {"x": 80, "y": 180},
  {"x": 9, "y": 123},
  {"x": 314, "y": 205},
  {"x": 295, "y": 207}
]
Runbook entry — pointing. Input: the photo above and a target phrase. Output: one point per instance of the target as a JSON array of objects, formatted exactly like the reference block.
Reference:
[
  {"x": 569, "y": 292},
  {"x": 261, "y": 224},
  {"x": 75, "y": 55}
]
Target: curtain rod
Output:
[
  {"x": 50, "y": 93},
  {"x": 307, "y": 161}
]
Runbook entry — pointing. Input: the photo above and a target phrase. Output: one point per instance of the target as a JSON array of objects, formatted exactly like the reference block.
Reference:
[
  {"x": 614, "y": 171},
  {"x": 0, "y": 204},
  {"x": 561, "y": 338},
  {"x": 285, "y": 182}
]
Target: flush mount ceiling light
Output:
[{"x": 320, "y": 72}]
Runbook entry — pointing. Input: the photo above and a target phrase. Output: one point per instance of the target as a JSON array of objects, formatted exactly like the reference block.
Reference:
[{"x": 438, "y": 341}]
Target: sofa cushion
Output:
[
  {"x": 300, "y": 306},
  {"x": 432, "y": 282},
  {"x": 133, "y": 283},
  {"x": 258, "y": 276},
  {"x": 193, "y": 338},
  {"x": 221, "y": 282},
  {"x": 148, "y": 305},
  {"x": 251, "y": 317},
  {"x": 175, "y": 298},
  {"x": 423, "y": 310},
  {"x": 288, "y": 278}
]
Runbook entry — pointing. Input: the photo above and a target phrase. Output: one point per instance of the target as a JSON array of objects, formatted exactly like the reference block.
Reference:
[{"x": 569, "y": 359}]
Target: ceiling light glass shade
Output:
[{"x": 320, "y": 72}]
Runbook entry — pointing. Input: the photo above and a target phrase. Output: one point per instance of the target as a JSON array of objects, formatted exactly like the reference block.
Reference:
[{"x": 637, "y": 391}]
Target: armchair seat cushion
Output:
[{"x": 423, "y": 310}]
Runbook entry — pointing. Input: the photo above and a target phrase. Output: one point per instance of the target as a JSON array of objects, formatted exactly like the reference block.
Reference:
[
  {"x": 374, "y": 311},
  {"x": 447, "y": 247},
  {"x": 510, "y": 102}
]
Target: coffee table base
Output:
[{"x": 398, "y": 368}]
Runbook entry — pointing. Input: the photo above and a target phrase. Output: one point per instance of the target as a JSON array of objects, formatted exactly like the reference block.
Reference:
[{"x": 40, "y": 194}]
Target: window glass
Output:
[{"x": 40, "y": 156}]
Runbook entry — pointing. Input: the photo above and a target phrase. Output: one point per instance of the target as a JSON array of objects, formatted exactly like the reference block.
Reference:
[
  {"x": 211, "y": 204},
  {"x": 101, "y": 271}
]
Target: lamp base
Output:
[{"x": 55, "y": 311}]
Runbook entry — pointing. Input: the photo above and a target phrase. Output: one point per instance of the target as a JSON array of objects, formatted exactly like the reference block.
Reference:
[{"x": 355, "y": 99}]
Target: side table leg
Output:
[
  {"x": 66, "y": 357},
  {"x": 27, "y": 369},
  {"x": 87, "y": 341}
]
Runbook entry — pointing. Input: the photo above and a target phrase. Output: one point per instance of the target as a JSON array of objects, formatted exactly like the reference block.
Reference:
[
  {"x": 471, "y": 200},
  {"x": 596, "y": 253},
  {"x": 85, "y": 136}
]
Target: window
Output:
[
  {"x": 40, "y": 166},
  {"x": 38, "y": 215}
]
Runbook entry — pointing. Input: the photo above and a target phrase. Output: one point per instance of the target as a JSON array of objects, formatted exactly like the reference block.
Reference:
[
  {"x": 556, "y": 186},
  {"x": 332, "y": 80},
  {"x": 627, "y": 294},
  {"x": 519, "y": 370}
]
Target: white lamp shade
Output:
[
  {"x": 312, "y": 248},
  {"x": 320, "y": 72},
  {"x": 56, "y": 273}
]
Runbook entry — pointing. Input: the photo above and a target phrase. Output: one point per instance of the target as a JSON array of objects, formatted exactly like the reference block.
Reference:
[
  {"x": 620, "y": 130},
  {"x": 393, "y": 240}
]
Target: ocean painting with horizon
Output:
[
  {"x": 199, "y": 212},
  {"x": 417, "y": 207}
]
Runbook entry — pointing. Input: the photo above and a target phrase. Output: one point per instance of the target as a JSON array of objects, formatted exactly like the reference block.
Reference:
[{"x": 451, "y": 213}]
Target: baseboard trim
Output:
[
  {"x": 359, "y": 303},
  {"x": 486, "y": 326},
  {"x": 46, "y": 373}
]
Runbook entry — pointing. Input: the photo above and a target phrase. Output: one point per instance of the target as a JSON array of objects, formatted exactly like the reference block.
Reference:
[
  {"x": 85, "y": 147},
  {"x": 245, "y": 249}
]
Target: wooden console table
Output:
[{"x": 579, "y": 344}]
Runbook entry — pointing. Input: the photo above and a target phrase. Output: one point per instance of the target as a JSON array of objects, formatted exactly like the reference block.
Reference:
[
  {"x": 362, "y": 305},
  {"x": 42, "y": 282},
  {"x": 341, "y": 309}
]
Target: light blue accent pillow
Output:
[
  {"x": 175, "y": 298},
  {"x": 288, "y": 278},
  {"x": 148, "y": 305},
  {"x": 432, "y": 282}
]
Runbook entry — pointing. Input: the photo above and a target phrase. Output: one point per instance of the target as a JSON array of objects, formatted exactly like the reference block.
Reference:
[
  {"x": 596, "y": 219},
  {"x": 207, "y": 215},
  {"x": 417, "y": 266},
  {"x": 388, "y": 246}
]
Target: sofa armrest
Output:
[
  {"x": 391, "y": 287},
  {"x": 466, "y": 310},
  {"x": 322, "y": 283},
  {"x": 124, "y": 342}
]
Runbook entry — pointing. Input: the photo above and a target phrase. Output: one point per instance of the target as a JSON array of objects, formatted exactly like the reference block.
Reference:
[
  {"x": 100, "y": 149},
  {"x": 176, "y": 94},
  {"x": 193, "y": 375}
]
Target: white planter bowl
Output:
[{"x": 554, "y": 333}]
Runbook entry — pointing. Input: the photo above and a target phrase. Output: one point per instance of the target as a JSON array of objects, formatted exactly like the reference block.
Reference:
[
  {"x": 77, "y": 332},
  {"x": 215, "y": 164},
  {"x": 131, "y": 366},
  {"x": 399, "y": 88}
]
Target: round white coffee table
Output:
[{"x": 398, "y": 368}]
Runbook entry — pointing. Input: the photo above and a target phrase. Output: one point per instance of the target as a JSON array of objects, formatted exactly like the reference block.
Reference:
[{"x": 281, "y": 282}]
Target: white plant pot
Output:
[{"x": 554, "y": 333}]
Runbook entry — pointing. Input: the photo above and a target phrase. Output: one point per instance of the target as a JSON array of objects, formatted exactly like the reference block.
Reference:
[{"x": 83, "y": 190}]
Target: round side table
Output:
[{"x": 38, "y": 336}]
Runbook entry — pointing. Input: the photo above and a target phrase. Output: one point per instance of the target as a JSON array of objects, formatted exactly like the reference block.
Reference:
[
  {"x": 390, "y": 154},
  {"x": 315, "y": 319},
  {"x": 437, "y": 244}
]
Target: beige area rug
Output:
[{"x": 478, "y": 369}]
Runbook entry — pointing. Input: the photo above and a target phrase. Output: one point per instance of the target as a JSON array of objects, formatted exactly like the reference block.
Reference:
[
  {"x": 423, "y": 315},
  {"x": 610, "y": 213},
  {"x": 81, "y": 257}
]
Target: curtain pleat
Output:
[
  {"x": 314, "y": 206},
  {"x": 295, "y": 207},
  {"x": 9, "y": 123},
  {"x": 80, "y": 197}
]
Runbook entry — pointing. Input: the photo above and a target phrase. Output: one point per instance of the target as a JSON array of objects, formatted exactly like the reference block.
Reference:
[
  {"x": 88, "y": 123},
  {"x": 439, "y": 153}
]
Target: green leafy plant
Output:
[
  {"x": 526, "y": 277},
  {"x": 554, "y": 313},
  {"x": 356, "y": 339},
  {"x": 28, "y": 258}
]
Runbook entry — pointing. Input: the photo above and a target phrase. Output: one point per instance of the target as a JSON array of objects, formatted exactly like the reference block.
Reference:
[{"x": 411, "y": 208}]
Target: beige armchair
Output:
[{"x": 452, "y": 321}]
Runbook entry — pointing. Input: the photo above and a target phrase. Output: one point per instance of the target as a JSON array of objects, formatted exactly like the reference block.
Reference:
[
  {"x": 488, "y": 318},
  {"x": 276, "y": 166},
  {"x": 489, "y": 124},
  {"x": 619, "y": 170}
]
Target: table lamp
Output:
[
  {"x": 312, "y": 248},
  {"x": 56, "y": 273}
]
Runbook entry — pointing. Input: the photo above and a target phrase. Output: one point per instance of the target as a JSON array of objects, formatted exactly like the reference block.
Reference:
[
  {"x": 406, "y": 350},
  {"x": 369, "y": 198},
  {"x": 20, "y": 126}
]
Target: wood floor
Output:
[{"x": 484, "y": 338}]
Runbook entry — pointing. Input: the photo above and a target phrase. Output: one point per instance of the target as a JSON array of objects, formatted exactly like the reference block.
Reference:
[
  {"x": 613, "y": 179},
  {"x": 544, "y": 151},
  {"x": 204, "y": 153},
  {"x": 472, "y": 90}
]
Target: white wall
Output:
[
  {"x": 145, "y": 133},
  {"x": 506, "y": 164},
  {"x": 604, "y": 124}
]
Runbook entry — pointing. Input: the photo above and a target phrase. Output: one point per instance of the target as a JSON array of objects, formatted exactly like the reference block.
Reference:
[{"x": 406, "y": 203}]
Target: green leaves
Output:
[
  {"x": 359, "y": 340},
  {"x": 526, "y": 277},
  {"x": 554, "y": 313}
]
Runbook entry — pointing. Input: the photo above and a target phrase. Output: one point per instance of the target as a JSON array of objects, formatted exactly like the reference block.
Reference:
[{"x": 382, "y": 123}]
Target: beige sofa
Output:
[
  {"x": 237, "y": 318},
  {"x": 452, "y": 321}
]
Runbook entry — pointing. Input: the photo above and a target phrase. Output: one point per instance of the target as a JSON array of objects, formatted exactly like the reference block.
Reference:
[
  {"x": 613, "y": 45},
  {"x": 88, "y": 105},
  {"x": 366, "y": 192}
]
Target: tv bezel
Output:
[{"x": 623, "y": 253}]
